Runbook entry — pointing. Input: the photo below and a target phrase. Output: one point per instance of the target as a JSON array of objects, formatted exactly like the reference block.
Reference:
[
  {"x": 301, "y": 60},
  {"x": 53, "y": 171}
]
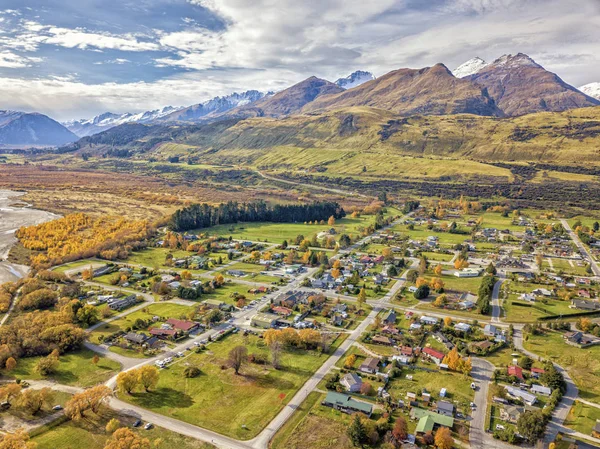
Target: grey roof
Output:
[
  {"x": 445, "y": 406},
  {"x": 352, "y": 379}
]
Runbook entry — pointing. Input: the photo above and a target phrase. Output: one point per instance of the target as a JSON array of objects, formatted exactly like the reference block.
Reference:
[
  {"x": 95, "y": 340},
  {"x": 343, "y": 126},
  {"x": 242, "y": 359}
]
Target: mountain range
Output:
[
  {"x": 32, "y": 129},
  {"x": 512, "y": 85}
]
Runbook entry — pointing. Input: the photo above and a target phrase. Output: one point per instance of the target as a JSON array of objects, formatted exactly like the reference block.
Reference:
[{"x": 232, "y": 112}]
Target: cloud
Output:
[{"x": 13, "y": 61}]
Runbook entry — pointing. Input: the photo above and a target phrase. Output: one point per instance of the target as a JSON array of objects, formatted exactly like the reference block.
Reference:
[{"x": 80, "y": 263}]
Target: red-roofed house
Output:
[
  {"x": 435, "y": 356},
  {"x": 516, "y": 371},
  {"x": 283, "y": 311},
  {"x": 537, "y": 372},
  {"x": 183, "y": 325},
  {"x": 163, "y": 334}
]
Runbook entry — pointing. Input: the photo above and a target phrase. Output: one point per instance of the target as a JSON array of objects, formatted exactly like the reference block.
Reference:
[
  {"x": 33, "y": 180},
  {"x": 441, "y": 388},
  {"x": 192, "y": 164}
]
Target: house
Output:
[
  {"x": 390, "y": 330},
  {"x": 216, "y": 304},
  {"x": 427, "y": 320},
  {"x": 282, "y": 311},
  {"x": 382, "y": 340},
  {"x": 483, "y": 345},
  {"x": 120, "y": 304},
  {"x": 586, "y": 304},
  {"x": 490, "y": 330},
  {"x": 468, "y": 273},
  {"x": 337, "y": 320},
  {"x": 163, "y": 334},
  {"x": 596, "y": 429},
  {"x": 412, "y": 289},
  {"x": 236, "y": 273},
  {"x": 517, "y": 393},
  {"x": 584, "y": 294},
  {"x": 542, "y": 292},
  {"x": 540, "y": 389},
  {"x": 537, "y": 372},
  {"x": 183, "y": 325},
  {"x": 389, "y": 317},
  {"x": 445, "y": 408},
  {"x": 264, "y": 320},
  {"x": 528, "y": 297},
  {"x": 435, "y": 356},
  {"x": 370, "y": 365},
  {"x": 516, "y": 371},
  {"x": 429, "y": 420},
  {"x": 462, "y": 327},
  {"x": 351, "y": 382},
  {"x": 511, "y": 413},
  {"x": 414, "y": 327},
  {"x": 347, "y": 404},
  {"x": 135, "y": 338}
]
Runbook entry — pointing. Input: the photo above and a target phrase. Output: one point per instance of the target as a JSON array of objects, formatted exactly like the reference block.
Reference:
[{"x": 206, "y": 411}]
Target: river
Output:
[{"x": 14, "y": 214}]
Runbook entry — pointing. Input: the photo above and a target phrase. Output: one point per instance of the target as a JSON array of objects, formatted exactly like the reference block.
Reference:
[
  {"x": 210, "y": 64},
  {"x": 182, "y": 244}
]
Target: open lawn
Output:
[
  {"x": 582, "y": 417},
  {"x": 252, "y": 271},
  {"x": 75, "y": 368},
  {"x": 531, "y": 312},
  {"x": 502, "y": 357},
  {"x": 221, "y": 401},
  {"x": 437, "y": 257},
  {"x": 420, "y": 233},
  {"x": 224, "y": 293},
  {"x": 583, "y": 365},
  {"x": 166, "y": 310},
  {"x": 90, "y": 433}
]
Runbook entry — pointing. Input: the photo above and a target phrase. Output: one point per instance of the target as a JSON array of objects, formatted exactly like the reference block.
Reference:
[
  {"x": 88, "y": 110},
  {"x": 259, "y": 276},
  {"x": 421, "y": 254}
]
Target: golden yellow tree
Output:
[
  {"x": 124, "y": 438},
  {"x": 443, "y": 438}
]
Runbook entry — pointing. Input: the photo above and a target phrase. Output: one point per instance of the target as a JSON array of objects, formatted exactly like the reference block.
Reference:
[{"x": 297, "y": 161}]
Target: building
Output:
[
  {"x": 120, "y": 304},
  {"x": 428, "y": 420},
  {"x": 517, "y": 393},
  {"x": 351, "y": 382},
  {"x": 468, "y": 273},
  {"x": 389, "y": 317},
  {"x": 435, "y": 356},
  {"x": 163, "y": 334},
  {"x": 216, "y": 304},
  {"x": 347, "y": 404},
  {"x": 516, "y": 371},
  {"x": 490, "y": 330},
  {"x": 537, "y": 372},
  {"x": 540, "y": 389},
  {"x": 428, "y": 320},
  {"x": 445, "y": 408},
  {"x": 511, "y": 413},
  {"x": 264, "y": 320},
  {"x": 183, "y": 325},
  {"x": 370, "y": 365},
  {"x": 483, "y": 345},
  {"x": 383, "y": 340},
  {"x": 462, "y": 327},
  {"x": 135, "y": 338},
  {"x": 585, "y": 304}
]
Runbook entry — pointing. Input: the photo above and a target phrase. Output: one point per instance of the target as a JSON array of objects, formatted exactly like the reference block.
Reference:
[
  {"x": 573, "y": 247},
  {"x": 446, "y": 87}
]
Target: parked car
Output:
[
  {"x": 148, "y": 426},
  {"x": 138, "y": 423},
  {"x": 57, "y": 407},
  {"x": 499, "y": 427}
]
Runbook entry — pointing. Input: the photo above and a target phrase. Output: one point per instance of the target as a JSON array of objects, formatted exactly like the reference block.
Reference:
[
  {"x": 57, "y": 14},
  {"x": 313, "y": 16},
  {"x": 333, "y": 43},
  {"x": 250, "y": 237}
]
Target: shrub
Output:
[{"x": 191, "y": 371}]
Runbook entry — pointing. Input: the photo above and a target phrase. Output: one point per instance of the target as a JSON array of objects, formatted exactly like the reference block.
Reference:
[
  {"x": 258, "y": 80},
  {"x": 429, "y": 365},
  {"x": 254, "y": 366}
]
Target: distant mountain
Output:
[
  {"x": 288, "y": 101},
  {"x": 354, "y": 79},
  {"x": 470, "y": 67},
  {"x": 217, "y": 105},
  {"x": 520, "y": 86},
  {"x": 429, "y": 91},
  {"x": 102, "y": 122},
  {"x": 32, "y": 129},
  {"x": 591, "y": 90}
]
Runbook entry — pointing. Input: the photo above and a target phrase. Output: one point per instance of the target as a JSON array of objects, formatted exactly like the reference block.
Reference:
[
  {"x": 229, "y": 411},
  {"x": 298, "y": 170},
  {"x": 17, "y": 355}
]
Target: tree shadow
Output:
[{"x": 163, "y": 397}]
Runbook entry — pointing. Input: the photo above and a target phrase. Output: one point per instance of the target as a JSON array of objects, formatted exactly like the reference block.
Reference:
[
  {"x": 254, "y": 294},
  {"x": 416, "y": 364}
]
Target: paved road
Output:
[
  {"x": 496, "y": 307},
  {"x": 581, "y": 247}
]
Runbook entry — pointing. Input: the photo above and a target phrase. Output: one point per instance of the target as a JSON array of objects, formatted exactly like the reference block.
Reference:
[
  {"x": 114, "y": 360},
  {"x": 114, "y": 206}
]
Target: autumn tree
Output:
[
  {"x": 127, "y": 381},
  {"x": 438, "y": 270},
  {"x": 10, "y": 364},
  {"x": 461, "y": 263},
  {"x": 10, "y": 392},
  {"x": 237, "y": 357},
  {"x": 420, "y": 282},
  {"x": 350, "y": 361},
  {"x": 34, "y": 400},
  {"x": 447, "y": 321},
  {"x": 400, "y": 430},
  {"x": 95, "y": 359},
  {"x": 91, "y": 399},
  {"x": 47, "y": 365},
  {"x": 436, "y": 284},
  {"x": 125, "y": 438},
  {"x": 17, "y": 440},
  {"x": 443, "y": 438},
  {"x": 331, "y": 221},
  {"x": 440, "y": 301},
  {"x": 113, "y": 425},
  {"x": 362, "y": 297},
  {"x": 148, "y": 376},
  {"x": 452, "y": 359},
  {"x": 185, "y": 274}
]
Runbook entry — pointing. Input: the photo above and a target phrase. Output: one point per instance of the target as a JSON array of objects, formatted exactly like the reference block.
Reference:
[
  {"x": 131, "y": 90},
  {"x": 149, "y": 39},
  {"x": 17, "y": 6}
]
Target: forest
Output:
[{"x": 200, "y": 216}]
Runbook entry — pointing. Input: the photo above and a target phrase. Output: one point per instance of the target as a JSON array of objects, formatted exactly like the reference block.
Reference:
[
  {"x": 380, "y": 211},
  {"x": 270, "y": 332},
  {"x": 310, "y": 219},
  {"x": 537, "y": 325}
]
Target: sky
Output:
[{"x": 74, "y": 59}]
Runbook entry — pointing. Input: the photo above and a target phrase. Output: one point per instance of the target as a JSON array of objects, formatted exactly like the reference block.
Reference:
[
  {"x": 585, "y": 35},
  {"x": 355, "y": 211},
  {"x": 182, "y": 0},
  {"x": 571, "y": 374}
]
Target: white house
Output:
[
  {"x": 540, "y": 389},
  {"x": 428, "y": 320}
]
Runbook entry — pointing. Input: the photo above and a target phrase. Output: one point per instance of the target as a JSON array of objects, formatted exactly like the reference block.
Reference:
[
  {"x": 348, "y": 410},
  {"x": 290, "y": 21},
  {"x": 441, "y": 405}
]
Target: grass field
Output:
[
  {"x": 521, "y": 314},
  {"x": 221, "y": 401},
  {"x": 583, "y": 365},
  {"x": 253, "y": 272},
  {"x": 90, "y": 433},
  {"x": 167, "y": 310},
  {"x": 277, "y": 232},
  {"x": 446, "y": 240},
  {"x": 582, "y": 417},
  {"x": 75, "y": 368},
  {"x": 437, "y": 257}
]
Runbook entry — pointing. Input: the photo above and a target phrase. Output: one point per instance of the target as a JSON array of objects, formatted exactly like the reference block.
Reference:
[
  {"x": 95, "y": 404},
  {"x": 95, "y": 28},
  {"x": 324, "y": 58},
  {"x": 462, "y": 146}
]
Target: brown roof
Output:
[{"x": 182, "y": 324}]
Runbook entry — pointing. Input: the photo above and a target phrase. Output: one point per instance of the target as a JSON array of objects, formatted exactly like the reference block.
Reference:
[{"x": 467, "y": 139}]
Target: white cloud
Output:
[{"x": 13, "y": 61}]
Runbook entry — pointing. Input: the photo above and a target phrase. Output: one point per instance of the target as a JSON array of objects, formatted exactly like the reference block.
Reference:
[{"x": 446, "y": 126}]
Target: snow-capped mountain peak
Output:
[
  {"x": 354, "y": 79},
  {"x": 591, "y": 90},
  {"x": 514, "y": 61},
  {"x": 471, "y": 67}
]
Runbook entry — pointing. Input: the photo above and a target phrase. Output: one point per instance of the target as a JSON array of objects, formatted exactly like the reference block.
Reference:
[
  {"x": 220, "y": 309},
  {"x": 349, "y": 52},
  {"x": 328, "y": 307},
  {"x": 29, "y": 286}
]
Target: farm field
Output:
[{"x": 221, "y": 401}]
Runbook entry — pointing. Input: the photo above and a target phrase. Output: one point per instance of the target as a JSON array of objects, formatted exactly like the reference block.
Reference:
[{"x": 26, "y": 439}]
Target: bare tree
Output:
[
  {"x": 237, "y": 357},
  {"x": 275, "y": 354}
]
